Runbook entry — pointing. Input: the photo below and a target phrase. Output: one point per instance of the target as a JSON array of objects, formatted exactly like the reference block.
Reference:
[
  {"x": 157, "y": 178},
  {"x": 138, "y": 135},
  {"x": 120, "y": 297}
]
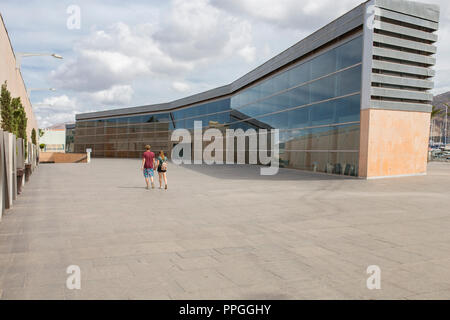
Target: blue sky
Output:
[{"x": 130, "y": 53}]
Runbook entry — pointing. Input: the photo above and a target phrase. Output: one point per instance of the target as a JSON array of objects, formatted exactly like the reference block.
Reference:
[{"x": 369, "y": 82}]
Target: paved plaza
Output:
[{"x": 225, "y": 232}]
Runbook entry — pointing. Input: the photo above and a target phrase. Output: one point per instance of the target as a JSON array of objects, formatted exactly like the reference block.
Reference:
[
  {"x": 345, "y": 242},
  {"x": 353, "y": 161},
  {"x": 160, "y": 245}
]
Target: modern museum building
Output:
[{"x": 353, "y": 98}]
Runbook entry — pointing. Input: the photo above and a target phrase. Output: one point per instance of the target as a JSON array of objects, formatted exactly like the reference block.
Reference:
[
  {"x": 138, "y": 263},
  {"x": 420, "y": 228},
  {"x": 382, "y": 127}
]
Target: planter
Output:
[
  {"x": 19, "y": 180},
  {"x": 27, "y": 172}
]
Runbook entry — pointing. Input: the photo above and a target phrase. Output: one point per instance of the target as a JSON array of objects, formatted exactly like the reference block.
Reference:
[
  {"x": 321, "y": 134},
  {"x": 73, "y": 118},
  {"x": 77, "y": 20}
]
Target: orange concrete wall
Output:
[
  {"x": 393, "y": 143},
  {"x": 14, "y": 79},
  {"x": 59, "y": 157}
]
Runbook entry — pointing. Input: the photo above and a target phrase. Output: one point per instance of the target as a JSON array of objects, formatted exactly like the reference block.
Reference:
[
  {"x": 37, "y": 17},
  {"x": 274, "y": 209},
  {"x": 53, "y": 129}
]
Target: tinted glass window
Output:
[
  {"x": 299, "y": 74},
  {"x": 348, "y": 81},
  {"x": 299, "y": 96},
  {"x": 322, "y": 113},
  {"x": 323, "y": 64},
  {"x": 348, "y": 109},
  {"x": 299, "y": 118},
  {"x": 349, "y": 53},
  {"x": 323, "y": 89}
]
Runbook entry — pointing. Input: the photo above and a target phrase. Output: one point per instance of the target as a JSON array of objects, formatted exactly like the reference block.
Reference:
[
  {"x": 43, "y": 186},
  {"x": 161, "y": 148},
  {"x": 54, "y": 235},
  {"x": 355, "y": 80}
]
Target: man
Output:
[{"x": 148, "y": 162}]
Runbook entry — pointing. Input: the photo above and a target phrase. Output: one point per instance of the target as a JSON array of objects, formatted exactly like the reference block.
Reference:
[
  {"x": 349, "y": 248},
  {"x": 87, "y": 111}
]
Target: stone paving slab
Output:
[{"x": 225, "y": 232}]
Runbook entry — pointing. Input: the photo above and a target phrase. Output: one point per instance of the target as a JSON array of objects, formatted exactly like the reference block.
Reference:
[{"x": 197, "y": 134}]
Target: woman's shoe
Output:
[{"x": 165, "y": 187}]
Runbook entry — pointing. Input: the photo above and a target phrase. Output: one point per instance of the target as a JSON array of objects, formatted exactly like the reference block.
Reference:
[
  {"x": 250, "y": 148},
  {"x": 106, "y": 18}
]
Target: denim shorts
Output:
[{"x": 148, "y": 172}]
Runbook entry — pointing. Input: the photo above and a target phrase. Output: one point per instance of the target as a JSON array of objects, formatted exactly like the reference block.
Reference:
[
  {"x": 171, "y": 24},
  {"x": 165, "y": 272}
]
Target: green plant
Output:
[
  {"x": 33, "y": 136},
  {"x": 6, "y": 109},
  {"x": 14, "y": 117},
  {"x": 20, "y": 119},
  {"x": 42, "y": 146},
  {"x": 435, "y": 112},
  {"x": 41, "y": 133}
]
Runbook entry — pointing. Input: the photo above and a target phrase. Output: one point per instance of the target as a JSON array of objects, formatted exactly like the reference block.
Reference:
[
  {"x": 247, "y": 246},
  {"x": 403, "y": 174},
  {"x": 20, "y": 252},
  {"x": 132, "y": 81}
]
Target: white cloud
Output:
[
  {"x": 55, "y": 110},
  {"x": 195, "y": 30},
  {"x": 115, "y": 56},
  {"x": 303, "y": 15},
  {"x": 180, "y": 86},
  {"x": 116, "y": 95},
  {"x": 193, "y": 33},
  {"x": 248, "y": 53}
]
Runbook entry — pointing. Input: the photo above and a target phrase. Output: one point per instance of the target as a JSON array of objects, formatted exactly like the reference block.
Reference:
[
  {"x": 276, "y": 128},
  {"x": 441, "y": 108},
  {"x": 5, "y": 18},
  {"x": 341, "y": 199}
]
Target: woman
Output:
[{"x": 162, "y": 168}]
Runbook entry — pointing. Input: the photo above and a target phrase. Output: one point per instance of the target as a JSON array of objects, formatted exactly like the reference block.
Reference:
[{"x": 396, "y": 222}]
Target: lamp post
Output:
[
  {"x": 445, "y": 130},
  {"x": 20, "y": 55}
]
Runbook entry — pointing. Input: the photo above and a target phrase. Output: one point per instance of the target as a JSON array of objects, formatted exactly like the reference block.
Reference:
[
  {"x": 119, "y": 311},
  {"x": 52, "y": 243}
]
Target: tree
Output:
[
  {"x": 20, "y": 120},
  {"x": 41, "y": 133},
  {"x": 435, "y": 112},
  {"x": 6, "y": 109},
  {"x": 33, "y": 136}
]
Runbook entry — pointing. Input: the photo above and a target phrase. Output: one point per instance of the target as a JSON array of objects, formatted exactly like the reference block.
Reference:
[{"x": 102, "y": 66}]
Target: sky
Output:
[{"x": 140, "y": 52}]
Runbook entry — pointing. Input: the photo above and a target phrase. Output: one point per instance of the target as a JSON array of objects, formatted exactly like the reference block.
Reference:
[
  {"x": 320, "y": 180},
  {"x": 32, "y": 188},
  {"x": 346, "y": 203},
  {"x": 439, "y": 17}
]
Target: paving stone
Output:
[{"x": 217, "y": 234}]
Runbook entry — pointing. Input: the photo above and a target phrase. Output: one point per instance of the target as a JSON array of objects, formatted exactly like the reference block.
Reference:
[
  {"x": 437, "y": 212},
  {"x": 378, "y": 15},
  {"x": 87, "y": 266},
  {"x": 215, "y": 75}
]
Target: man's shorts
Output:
[{"x": 148, "y": 172}]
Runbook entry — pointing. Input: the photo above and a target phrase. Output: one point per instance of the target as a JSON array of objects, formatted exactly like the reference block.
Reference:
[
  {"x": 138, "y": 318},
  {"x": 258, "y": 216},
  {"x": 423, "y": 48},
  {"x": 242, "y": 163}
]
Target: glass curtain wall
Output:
[{"x": 315, "y": 104}]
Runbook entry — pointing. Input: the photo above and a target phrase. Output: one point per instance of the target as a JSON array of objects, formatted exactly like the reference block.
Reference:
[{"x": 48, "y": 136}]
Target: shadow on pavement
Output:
[{"x": 252, "y": 172}]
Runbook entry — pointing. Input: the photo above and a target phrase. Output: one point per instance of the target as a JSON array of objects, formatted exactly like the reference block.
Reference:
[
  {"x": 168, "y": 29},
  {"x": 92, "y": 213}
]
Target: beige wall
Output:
[
  {"x": 393, "y": 143},
  {"x": 13, "y": 76}
]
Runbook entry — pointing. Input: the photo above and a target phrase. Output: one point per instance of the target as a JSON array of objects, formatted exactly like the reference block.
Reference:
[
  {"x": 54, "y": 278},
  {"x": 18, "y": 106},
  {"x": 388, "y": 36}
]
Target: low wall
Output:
[{"x": 60, "y": 157}]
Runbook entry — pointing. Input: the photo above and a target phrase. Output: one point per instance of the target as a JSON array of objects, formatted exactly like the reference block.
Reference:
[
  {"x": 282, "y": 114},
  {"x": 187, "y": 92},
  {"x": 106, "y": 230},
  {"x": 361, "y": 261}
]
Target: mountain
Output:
[{"x": 438, "y": 101}]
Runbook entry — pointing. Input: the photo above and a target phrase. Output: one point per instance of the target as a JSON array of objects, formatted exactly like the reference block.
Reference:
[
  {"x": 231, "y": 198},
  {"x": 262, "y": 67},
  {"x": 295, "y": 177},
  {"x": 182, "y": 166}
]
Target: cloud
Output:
[
  {"x": 248, "y": 53},
  {"x": 55, "y": 110},
  {"x": 193, "y": 33},
  {"x": 115, "y": 56},
  {"x": 180, "y": 86},
  {"x": 294, "y": 14},
  {"x": 195, "y": 30},
  {"x": 116, "y": 95}
]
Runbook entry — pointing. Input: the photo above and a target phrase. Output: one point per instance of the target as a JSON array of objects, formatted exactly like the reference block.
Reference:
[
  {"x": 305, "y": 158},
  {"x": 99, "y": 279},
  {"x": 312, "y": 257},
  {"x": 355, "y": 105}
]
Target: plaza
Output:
[{"x": 225, "y": 232}]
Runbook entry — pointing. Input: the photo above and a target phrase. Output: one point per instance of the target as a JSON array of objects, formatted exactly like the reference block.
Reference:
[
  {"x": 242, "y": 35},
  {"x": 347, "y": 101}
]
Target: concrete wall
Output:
[
  {"x": 12, "y": 158},
  {"x": 396, "y": 82},
  {"x": 393, "y": 143},
  {"x": 14, "y": 78}
]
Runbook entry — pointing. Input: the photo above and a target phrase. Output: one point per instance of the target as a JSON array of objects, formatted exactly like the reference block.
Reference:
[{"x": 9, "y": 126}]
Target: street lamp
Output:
[
  {"x": 445, "y": 133},
  {"x": 20, "y": 55}
]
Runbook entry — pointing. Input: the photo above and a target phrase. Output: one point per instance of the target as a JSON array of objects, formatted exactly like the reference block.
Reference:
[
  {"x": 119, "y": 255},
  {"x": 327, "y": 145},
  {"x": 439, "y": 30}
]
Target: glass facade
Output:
[
  {"x": 315, "y": 104},
  {"x": 70, "y": 138}
]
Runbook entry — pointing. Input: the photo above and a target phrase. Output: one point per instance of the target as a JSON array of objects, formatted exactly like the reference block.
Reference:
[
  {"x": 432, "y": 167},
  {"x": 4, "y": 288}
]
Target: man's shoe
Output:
[{"x": 153, "y": 185}]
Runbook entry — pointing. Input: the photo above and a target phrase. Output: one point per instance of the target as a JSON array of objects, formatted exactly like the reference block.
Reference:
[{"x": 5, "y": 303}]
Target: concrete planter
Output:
[
  {"x": 19, "y": 180},
  {"x": 27, "y": 172}
]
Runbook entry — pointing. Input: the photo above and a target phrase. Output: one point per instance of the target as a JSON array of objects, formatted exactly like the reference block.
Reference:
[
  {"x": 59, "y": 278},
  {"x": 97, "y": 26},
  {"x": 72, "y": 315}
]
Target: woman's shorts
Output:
[
  {"x": 161, "y": 170},
  {"x": 148, "y": 172}
]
